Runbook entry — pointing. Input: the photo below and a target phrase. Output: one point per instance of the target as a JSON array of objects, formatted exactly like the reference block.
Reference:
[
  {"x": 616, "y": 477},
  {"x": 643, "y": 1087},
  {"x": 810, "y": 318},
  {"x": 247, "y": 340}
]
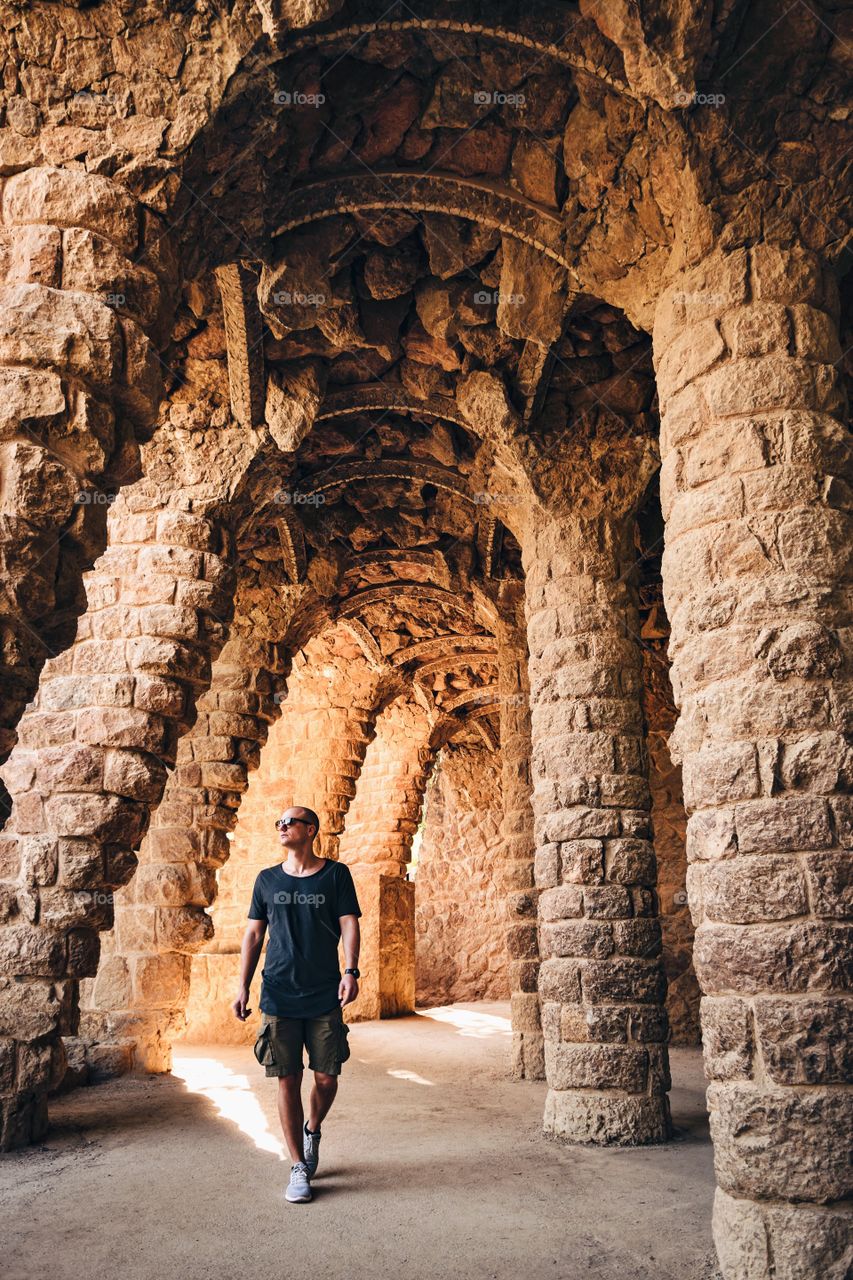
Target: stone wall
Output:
[{"x": 460, "y": 925}]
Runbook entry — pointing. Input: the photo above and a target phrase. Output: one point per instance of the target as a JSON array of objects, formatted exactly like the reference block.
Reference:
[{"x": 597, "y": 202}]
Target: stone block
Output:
[
  {"x": 30, "y": 951},
  {"x": 801, "y": 1239},
  {"x": 123, "y": 727},
  {"x": 72, "y": 198},
  {"x": 606, "y": 902},
  {"x": 782, "y": 1144},
  {"x": 806, "y": 1041},
  {"x": 830, "y": 878},
  {"x": 621, "y": 980},
  {"x": 559, "y": 980},
  {"x": 561, "y": 903},
  {"x": 109, "y": 818},
  {"x": 606, "y": 1120},
  {"x": 576, "y": 938},
  {"x": 595, "y": 1066},
  {"x": 727, "y": 1038},
  {"x": 781, "y": 958},
  {"x": 788, "y": 823},
  {"x": 630, "y": 862},
  {"x": 582, "y": 861},
  {"x": 746, "y": 890}
]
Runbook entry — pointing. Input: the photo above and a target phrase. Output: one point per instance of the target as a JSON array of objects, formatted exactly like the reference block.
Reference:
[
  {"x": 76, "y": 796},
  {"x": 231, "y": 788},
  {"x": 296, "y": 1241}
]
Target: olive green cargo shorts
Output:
[{"x": 278, "y": 1047}]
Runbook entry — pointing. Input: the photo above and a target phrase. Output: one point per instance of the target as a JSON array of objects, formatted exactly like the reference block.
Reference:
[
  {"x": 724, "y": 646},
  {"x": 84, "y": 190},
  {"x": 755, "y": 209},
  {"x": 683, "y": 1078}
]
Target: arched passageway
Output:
[{"x": 439, "y": 419}]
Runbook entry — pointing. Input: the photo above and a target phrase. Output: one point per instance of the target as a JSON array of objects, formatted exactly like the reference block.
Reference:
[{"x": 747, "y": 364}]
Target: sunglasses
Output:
[{"x": 283, "y": 823}]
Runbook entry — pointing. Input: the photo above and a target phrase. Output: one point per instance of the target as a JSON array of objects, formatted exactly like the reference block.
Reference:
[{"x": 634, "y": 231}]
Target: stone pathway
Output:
[{"x": 433, "y": 1165}]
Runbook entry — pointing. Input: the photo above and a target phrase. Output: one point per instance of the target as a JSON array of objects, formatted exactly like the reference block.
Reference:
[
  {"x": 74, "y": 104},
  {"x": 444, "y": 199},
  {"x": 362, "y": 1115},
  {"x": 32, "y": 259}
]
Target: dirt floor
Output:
[{"x": 432, "y": 1165}]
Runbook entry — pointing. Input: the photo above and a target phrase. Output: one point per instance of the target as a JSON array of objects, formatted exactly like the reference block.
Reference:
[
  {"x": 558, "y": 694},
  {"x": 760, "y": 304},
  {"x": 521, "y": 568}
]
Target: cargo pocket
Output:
[
  {"x": 344, "y": 1042},
  {"x": 264, "y": 1051}
]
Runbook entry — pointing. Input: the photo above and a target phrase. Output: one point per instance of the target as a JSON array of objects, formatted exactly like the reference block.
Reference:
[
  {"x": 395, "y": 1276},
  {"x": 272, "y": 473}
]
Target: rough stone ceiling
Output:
[{"x": 436, "y": 235}]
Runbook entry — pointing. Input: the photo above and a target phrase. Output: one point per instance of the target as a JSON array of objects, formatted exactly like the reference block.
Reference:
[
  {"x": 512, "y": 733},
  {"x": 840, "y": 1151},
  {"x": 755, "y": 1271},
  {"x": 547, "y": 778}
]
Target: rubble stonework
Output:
[{"x": 482, "y": 371}]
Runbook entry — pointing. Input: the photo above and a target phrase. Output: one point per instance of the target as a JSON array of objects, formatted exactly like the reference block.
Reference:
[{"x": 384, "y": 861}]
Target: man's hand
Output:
[
  {"x": 241, "y": 1005},
  {"x": 348, "y": 990}
]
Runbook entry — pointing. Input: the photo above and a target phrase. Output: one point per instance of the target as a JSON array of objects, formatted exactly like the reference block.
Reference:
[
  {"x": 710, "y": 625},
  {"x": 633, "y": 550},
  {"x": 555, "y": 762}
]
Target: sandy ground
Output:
[{"x": 432, "y": 1165}]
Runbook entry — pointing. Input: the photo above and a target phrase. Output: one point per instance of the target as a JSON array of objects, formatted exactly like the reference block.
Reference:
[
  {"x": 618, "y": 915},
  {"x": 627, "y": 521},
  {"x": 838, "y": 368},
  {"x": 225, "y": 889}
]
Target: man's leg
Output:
[
  {"x": 322, "y": 1097},
  {"x": 290, "y": 1112}
]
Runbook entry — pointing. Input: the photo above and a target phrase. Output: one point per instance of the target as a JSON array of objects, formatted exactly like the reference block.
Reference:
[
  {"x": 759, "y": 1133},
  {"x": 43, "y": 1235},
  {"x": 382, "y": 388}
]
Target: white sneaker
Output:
[
  {"x": 299, "y": 1188},
  {"x": 311, "y": 1150}
]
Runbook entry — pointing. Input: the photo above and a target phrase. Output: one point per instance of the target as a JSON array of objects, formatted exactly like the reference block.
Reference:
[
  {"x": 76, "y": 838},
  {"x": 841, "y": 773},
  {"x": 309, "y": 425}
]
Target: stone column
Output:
[
  {"x": 89, "y": 767},
  {"x": 601, "y": 981},
  {"x": 514, "y": 874},
  {"x": 376, "y": 845},
  {"x": 135, "y": 1007},
  {"x": 757, "y": 581},
  {"x": 79, "y": 302}
]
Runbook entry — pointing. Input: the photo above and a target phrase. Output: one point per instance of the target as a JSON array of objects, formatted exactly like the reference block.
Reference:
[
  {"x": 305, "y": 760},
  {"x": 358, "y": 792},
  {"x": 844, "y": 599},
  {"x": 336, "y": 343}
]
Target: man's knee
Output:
[
  {"x": 325, "y": 1082},
  {"x": 290, "y": 1083}
]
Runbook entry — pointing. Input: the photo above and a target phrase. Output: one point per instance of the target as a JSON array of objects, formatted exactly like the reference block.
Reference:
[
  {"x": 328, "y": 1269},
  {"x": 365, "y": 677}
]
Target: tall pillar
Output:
[
  {"x": 515, "y": 873},
  {"x": 376, "y": 844},
  {"x": 755, "y": 489},
  {"x": 79, "y": 302},
  {"x": 601, "y": 981},
  {"x": 135, "y": 1007},
  {"x": 89, "y": 767}
]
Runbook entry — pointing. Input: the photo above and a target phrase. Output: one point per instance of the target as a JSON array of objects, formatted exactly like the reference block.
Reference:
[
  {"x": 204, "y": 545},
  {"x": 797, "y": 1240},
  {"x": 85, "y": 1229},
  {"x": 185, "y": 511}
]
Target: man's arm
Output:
[
  {"x": 253, "y": 941},
  {"x": 351, "y": 939}
]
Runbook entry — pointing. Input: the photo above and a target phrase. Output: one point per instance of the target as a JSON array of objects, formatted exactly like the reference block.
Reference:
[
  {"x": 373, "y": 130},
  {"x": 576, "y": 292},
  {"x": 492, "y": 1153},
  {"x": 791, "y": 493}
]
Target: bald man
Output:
[{"x": 309, "y": 905}]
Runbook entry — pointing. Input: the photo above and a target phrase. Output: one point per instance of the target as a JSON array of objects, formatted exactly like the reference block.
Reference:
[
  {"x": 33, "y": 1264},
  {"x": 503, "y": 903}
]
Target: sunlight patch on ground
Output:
[
  {"x": 468, "y": 1022},
  {"x": 232, "y": 1096},
  {"x": 410, "y": 1075}
]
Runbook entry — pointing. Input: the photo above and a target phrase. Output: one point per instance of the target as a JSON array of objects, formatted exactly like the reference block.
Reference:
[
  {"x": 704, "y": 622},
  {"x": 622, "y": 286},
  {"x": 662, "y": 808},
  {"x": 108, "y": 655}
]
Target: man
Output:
[{"x": 309, "y": 905}]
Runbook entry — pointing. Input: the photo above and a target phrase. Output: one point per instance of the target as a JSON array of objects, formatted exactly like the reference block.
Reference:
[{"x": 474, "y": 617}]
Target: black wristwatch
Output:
[{"x": 356, "y": 973}]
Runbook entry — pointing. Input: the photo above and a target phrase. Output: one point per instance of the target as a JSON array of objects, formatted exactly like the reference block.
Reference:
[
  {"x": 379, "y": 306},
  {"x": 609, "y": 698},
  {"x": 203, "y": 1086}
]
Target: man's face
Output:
[{"x": 296, "y": 833}]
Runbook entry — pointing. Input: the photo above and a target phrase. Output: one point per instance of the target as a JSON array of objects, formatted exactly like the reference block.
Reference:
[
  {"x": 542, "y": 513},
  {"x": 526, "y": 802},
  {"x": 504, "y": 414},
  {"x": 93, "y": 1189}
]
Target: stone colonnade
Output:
[
  {"x": 85, "y": 275},
  {"x": 601, "y": 981},
  {"x": 90, "y": 765},
  {"x": 757, "y": 579},
  {"x": 135, "y": 1006}
]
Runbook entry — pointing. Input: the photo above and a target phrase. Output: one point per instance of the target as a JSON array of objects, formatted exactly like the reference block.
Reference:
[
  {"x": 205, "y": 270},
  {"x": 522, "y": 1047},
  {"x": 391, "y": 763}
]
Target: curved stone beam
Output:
[
  {"x": 486, "y": 696},
  {"x": 483, "y": 202},
  {"x": 489, "y": 538},
  {"x": 387, "y": 469},
  {"x": 431, "y": 559},
  {"x": 462, "y": 659},
  {"x": 363, "y": 637},
  {"x": 457, "y": 601},
  {"x": 437, "y": 646},
  {"x": 486, "y": 732},
  {"x": 551, "y": 32},
  {"x": 238, "y": 288},
  {"x": 292, "y": 540},
  {"x": 386, "y": 397}
]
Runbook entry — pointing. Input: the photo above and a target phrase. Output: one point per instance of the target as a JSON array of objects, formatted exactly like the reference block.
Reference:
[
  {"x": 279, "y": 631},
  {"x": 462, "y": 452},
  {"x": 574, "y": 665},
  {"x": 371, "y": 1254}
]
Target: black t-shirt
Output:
[{"x": 301, "y": 972}]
